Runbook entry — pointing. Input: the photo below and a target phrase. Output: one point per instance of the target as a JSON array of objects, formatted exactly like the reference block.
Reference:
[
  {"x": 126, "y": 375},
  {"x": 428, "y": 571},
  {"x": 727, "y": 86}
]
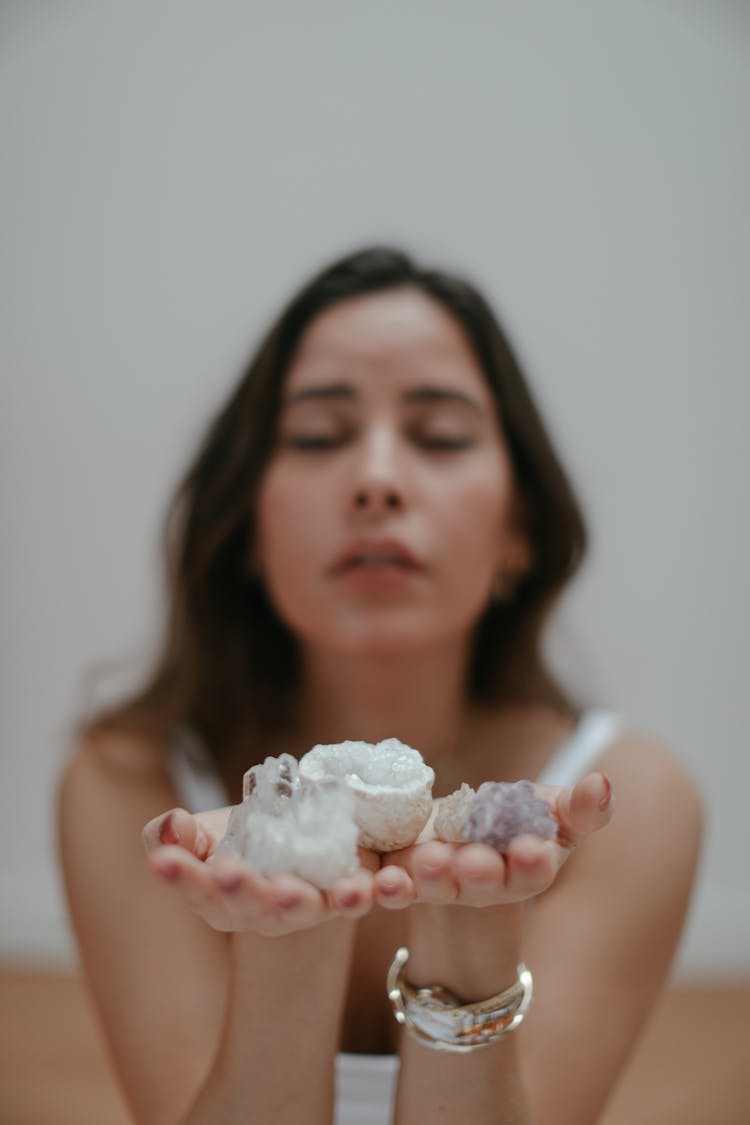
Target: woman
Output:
[{"x": 368, "y": 545}]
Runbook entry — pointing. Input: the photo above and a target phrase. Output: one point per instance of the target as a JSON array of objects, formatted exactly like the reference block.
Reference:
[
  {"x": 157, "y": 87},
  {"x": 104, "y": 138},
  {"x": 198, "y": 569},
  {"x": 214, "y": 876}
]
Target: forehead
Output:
[{"x": 402, "y": 336}]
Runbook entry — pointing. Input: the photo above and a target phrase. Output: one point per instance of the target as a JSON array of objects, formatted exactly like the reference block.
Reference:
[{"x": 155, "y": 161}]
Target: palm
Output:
[
  {"x": 230, "y": 895},
  {"x": 475, "y": 875}
]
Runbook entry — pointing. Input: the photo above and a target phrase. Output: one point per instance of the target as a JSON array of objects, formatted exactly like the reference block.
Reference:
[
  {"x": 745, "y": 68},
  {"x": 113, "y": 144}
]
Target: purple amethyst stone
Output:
[{"x": 502, "y": 810}]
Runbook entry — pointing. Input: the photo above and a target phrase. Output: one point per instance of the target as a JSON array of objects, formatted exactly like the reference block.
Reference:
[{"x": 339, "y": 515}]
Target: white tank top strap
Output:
[
  {"x": 597, "y": 730},
  {"x": 193, "y": 774}
]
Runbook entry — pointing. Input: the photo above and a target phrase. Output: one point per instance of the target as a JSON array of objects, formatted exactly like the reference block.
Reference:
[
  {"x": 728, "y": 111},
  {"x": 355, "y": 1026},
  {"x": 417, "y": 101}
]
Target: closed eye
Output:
[
  {"x": 445, "y": 443},
  {"x": 314, "y": 442}
]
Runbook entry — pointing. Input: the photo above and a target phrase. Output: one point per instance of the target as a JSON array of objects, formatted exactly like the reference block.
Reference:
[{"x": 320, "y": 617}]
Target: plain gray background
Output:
[{"x": 172, "y": 169}]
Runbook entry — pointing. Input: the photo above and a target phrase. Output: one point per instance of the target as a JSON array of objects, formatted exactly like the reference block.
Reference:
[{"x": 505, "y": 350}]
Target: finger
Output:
[
  {"x": 297, "y": 904},
  {"x": 393, "y": 888},
  {"x": 583, "y": 809},
  {"x": 368, "y": 859},
  {"x": 431, "y": 869},
  {"x": 244, "y": 896},
  {"x": 352, "y": 896},
  {"x": 481, "y": 873},
  {"x": 176, "y": 826},
  {"x": 170, "y": 862},
  {"x": 532, "y": 864},
  {"x": 191, "y": 878}
]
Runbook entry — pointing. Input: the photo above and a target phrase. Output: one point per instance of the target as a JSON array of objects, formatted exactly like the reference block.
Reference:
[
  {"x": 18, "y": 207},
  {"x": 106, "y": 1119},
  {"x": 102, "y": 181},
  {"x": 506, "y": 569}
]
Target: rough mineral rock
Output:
[
  {"x": 391, "y": 784},
  {"x": 500, "y": 811},
  {"x": 283, "y": 826},
  {"x": 453, "y": 814}
]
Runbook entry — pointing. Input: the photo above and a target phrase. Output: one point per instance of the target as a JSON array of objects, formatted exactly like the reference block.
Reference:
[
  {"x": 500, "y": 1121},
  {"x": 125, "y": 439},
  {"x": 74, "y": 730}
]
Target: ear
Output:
[
  {"x": 515, "y": 552},
  {"x": 515, "y": 560},
  {"x": 515, "y": 556}
]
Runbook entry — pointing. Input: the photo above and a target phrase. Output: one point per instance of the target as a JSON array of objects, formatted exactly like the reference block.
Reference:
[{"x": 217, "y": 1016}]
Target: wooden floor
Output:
[{"x": 692, "y": 1067}]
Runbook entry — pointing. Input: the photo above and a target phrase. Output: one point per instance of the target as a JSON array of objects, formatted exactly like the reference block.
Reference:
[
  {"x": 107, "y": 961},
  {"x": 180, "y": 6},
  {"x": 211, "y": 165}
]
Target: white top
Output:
[
  {"x": 366, "y": 1084},
  {"x": 595, "y": 733}
]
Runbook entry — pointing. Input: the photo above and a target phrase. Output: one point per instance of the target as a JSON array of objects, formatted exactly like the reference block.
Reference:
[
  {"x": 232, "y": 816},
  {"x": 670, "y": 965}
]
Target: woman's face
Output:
[{"x": 387, "y": 507}]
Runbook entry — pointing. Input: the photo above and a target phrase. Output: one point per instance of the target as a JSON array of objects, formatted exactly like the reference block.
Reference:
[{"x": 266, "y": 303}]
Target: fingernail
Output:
[
  {"x": 350, "y": 898},
  {"x": 229, "y": 882},
  {"x": 167, "y": 833},
  {"x": 288, "y": 901},
  {"x": 389, "y": 888},
  {"x": 607, "y": 792},
  {"x": 168, "y": 869}
]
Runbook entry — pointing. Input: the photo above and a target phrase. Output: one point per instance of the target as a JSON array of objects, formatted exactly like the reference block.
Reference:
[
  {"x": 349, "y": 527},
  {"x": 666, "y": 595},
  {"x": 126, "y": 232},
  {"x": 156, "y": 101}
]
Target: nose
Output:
[
  {"x": 378, "y": 485},
  {"x": 373, "y": 497}
]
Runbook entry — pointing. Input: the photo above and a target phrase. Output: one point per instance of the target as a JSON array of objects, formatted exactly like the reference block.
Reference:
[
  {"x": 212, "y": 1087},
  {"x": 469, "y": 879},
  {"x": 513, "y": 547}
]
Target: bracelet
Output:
[{"x": 439, "y": 1020}]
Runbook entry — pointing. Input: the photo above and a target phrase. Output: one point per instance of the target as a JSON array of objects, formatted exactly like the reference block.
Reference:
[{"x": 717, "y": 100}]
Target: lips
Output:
[{"x": 374, "y": 553}]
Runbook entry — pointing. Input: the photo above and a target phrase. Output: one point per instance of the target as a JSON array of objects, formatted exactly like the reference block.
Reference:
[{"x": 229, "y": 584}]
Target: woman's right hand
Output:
[{"x": 230, "y": 895}]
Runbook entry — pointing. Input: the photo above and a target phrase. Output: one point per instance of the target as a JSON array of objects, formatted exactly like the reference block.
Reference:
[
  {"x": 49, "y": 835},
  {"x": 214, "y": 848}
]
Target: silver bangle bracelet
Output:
[{"x": 439, "y": 1020}]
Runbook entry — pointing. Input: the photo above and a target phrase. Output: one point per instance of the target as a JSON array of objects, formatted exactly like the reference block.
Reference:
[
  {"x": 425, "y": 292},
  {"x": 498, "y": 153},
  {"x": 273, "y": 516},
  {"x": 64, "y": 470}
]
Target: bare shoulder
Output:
[
  {"x": 112, "y": 785},
  {"x": 116, "y": 756},
  {"x": 653, "y": 789},
  {"x": 654, "y": 836},
  {"x": 115, "y": 776}
]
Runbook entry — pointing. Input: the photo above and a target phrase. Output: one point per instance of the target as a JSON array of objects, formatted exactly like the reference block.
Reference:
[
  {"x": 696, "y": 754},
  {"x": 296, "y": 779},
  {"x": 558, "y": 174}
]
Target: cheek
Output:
[
  {"x": 474, "y": 519},
  {"x": 289, "y": 528},
  {"x": 475, "y": 513}
]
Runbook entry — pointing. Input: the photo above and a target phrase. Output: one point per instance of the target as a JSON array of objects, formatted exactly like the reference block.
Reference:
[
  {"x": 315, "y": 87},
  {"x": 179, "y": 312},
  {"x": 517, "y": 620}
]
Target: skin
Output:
[{"x": 406, "y": 446}]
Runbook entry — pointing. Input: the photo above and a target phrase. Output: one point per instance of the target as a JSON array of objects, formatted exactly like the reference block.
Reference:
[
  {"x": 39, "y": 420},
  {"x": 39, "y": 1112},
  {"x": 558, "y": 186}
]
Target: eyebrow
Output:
[
  {"x": 441, "y": 394},
  {"x": 344, "y": 391},
  {"x": 323, "y": 390}
]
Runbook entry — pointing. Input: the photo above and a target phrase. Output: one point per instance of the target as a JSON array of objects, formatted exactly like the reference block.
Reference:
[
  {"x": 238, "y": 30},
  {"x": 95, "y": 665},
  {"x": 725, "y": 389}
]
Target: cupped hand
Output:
[
  {"x": 432, "y": 871},
  {"x": 230, "y": 895}
]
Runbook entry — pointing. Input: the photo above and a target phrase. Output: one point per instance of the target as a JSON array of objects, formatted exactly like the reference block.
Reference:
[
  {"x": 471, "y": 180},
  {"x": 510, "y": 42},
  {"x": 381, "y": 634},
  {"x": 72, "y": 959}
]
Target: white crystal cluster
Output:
[
  {"x": 284, "y": 826},
  {"x": 390, "y": 782},
  {"x": 307, "y": 817}
]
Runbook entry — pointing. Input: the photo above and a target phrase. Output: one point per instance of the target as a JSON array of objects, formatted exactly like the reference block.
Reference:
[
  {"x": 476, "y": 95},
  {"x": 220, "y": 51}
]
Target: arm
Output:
[
  {"x": 290, "y": 953},
  {"x": 602, "y": 939},
  {"x": 185, "y": 1008},
  {"x": 599, "y": 942},
  {"x": 473, "y": 961},
  {"x": 284, "y": 1010}
]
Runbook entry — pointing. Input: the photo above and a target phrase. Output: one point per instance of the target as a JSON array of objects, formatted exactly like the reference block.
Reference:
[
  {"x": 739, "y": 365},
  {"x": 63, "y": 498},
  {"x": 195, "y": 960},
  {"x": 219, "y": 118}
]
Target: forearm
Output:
[
  {"x": 275, "y": 1060},
  {"x": 474, "y": 954}
]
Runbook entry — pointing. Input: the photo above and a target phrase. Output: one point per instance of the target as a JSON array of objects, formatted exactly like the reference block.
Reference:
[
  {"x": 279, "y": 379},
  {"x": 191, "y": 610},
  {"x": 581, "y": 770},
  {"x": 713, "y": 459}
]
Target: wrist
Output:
[
  {"x": 472, "y": 952},
  {"x": 295, "y": 983},
  {"x": 301, "y": 962},
  {"x": 291, "y": 990}
]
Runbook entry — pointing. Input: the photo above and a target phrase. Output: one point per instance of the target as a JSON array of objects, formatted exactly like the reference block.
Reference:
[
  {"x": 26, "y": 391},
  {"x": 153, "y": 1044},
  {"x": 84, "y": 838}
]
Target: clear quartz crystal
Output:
[
  {"x": 282, "y": 826},
  {"x": 270, "y": 783},
  {"x": 500, "y": 811}
]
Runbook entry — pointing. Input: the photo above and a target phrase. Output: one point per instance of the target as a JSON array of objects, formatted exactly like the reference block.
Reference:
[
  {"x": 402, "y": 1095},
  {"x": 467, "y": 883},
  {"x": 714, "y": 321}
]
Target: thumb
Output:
[
  {"x": 583, "y": 809},
  {"x": 177, "y": 826}
]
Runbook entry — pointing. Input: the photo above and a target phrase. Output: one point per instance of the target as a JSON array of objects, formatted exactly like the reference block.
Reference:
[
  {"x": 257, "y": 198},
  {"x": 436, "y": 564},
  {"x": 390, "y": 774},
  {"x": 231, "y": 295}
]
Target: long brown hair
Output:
[{"x": 228, "y": 667}]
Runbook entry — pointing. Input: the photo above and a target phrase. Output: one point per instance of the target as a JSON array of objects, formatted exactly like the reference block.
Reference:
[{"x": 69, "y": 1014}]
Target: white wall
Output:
[{"x": 171, "y": 169}]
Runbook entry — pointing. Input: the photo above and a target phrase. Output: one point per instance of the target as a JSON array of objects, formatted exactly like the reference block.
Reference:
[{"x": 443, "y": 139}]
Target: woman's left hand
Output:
[{"x": 439, "y": 873}]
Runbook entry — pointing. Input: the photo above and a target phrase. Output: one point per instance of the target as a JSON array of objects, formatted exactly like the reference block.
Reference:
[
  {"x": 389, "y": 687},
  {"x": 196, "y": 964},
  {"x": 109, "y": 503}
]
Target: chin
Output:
[{"x": 390, "y": 634}]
